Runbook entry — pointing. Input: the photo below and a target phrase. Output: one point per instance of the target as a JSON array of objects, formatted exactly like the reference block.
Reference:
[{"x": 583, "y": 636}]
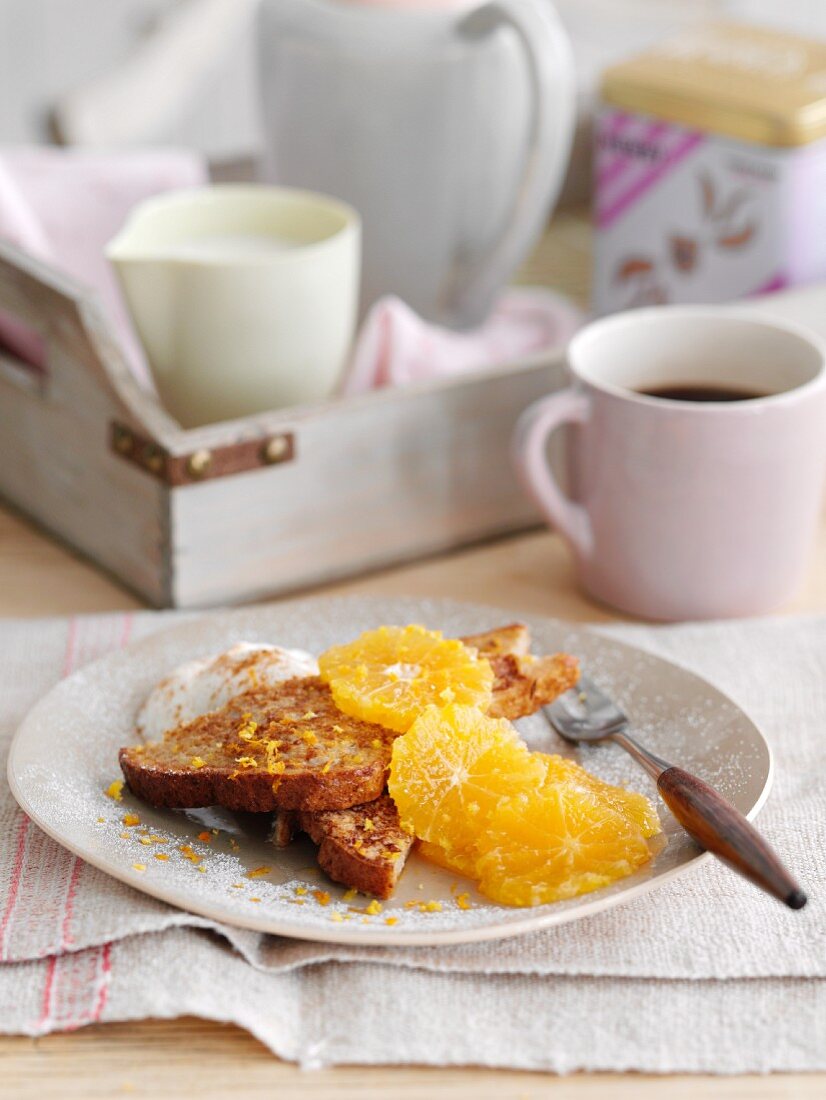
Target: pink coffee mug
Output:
[{"x": 686, "y": 509}]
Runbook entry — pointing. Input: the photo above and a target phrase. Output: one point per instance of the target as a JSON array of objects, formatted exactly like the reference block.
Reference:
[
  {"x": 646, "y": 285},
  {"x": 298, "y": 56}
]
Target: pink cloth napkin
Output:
[
  {"x": 396, "y": 348},
  {"x": 63, "y": 206}
]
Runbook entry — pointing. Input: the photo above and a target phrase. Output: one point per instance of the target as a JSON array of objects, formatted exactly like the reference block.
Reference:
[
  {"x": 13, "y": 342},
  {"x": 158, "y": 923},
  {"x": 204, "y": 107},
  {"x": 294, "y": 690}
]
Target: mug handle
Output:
[
  {"x": 551, "y": 71},
  {"x": 534, "y": 426}
]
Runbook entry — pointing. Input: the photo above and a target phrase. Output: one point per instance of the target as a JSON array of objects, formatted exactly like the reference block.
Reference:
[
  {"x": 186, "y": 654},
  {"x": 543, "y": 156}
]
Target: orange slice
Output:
[
  {"x": 449, "y": 772},
  {"x": 631, "y": 805},
  {"x": 552, "y": 843},
  {"x": 390, "y": 675},
  {"x": 460, "y": 862}
]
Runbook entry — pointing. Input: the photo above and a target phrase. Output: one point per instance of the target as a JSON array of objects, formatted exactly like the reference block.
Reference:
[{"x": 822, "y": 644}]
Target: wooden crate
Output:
[{"x": 247, "y": 508}]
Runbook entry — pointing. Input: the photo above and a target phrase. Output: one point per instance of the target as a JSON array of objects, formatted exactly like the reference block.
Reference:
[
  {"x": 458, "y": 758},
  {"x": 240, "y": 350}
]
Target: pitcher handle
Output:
[
  {"x": 534, "y": 426},
  {"x": 551, "y": 71}
]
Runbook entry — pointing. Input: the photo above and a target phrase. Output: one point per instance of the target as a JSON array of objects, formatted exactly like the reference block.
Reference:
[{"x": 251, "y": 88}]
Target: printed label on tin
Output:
[{"x": 683, "y": 216}]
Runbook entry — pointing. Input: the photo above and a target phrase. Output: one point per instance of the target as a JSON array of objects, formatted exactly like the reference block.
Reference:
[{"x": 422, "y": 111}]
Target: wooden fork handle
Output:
[{"x": 716, "y": 826}]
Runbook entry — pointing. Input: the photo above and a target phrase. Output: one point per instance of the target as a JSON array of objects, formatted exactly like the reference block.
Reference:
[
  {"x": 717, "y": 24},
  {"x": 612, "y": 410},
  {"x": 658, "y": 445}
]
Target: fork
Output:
[{"x": 586, "y": 713}]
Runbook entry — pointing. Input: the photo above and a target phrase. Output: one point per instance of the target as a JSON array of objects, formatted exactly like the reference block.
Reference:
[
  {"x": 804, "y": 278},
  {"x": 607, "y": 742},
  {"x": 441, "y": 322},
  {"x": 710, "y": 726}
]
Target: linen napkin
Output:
[
  {"x": 64, "y": 205},
  {"x": 395, "y": 347},
  {"x": 704, "y": 974}
]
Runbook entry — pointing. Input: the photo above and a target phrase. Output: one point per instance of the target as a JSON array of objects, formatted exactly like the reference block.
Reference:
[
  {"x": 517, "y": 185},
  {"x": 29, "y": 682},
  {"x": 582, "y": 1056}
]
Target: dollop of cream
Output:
[{"x": 206, "y": 684}]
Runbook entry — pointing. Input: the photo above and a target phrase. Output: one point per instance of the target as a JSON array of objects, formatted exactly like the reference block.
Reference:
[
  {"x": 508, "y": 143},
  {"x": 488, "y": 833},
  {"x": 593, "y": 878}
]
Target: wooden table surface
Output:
[{"x": 195, "y": 1058}]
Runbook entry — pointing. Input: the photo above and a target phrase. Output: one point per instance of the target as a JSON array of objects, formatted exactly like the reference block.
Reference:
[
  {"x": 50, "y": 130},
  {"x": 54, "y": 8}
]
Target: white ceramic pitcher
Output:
[{"x": 448, "y": 128}]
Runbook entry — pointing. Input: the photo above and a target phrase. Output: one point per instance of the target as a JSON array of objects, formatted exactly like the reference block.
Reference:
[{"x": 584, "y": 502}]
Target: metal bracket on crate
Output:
[{"x": 203, "y": 464}]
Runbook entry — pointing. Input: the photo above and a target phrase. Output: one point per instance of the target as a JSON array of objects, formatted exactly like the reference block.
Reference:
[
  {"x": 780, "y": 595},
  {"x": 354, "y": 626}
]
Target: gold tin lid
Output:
[{"x": 745, "y": 82}]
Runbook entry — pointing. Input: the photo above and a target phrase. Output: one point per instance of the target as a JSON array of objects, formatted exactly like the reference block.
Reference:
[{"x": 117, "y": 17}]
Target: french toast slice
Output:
[
  {"x": 522, "y": 683},
  {"x": 287, "y": 746},
  {"x": 364, "y": 848}
]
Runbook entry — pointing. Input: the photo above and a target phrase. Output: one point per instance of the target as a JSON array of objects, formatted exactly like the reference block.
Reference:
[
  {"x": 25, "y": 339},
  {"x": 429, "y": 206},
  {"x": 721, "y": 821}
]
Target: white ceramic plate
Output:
[{"x": 64, "y": 756}]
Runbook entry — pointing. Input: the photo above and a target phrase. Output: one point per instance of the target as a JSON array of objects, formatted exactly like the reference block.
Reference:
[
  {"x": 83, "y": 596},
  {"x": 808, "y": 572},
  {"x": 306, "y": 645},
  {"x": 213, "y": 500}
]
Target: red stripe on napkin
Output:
[
  {"x": 46, "y": 1011},
  {"x": 75, "y": 990},
  {"x": 66, "y": 929},
  {"x": 103, "y": 984},
  {"x": 76, "y": 985},
  {"x": 22, "y": 832}
]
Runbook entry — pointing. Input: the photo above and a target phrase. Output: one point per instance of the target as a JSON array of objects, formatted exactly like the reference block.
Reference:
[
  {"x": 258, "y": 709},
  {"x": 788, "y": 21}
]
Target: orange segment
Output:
[
  {"x": 451, "y": 769},
  {"x": 390, "y": 675},
  {"x": 554, "y": 843},
  {"x": 459, "y": 862},
  {"x": 634, "y": 807}
]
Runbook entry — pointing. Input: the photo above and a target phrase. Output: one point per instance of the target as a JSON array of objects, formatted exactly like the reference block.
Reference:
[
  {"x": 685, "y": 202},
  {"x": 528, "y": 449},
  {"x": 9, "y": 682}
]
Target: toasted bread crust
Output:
[
  {"x": 252, "y": 793},
  {"x": 524, "y": 684},
  {"x": 514, "y": 638},
  {"x": 283, "y": 828},
  {"x": 285, "y": 747},
  {"x": 364, "y": 847}
]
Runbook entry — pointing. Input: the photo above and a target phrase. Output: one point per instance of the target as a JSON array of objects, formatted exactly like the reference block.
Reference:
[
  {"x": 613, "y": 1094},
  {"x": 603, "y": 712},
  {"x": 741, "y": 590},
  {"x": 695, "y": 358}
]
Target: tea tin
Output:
[{"x": 710, "y": 169}]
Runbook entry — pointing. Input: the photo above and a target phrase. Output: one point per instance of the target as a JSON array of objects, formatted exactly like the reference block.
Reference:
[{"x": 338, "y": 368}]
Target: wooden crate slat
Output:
[
  {"x": 55, "y": 460},
  {"x": 374, "y": 482}
]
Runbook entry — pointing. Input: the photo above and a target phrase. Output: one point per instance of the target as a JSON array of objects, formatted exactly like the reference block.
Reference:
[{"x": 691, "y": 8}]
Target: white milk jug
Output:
[{"x": 448, "y": 128}]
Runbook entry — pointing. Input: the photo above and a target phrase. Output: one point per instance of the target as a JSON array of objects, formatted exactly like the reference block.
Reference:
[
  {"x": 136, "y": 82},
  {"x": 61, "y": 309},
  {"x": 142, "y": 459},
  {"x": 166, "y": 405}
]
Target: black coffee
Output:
[{"x": 703, "y": 393}]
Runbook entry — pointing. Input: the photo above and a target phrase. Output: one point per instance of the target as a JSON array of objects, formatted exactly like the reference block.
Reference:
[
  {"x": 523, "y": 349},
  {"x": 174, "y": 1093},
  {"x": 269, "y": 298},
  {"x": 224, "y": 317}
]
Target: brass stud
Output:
[
  {"x": 153, "y": 458},
  {"x": 198, "y": 464},
  {"x": 275, "y": 449},
  {"x": 122, "y": 439}
]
